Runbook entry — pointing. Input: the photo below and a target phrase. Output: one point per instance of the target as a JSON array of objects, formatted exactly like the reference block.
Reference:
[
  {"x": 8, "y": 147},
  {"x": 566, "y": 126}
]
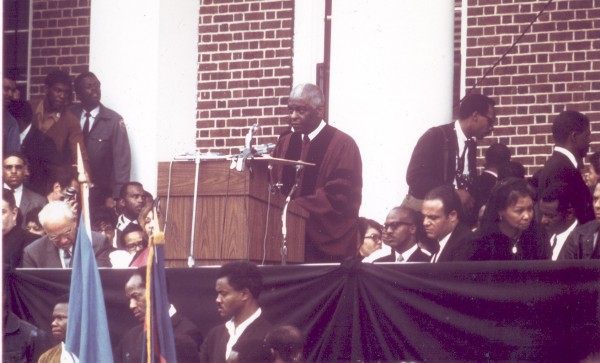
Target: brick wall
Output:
[
  {"x": 556, "y": 66},
  {"x": 60, "y": 39},
  {"x": 245, "y": 71}
]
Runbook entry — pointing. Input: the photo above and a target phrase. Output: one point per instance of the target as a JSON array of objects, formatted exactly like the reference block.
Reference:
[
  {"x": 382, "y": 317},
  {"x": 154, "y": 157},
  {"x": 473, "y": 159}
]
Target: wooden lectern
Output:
[{"x": 232, "y": 214}]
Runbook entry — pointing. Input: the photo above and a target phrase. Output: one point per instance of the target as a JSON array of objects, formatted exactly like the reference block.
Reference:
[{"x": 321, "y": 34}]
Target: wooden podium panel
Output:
[{"x": 236, "y": 217}]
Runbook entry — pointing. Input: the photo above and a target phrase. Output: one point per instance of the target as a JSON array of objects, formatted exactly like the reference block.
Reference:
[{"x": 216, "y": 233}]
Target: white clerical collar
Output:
[
  {"x": 567, "y": 153},
  {"x": 316, "y": 131},
  {"x": 561, "y": 238},
  {"x": 23, "y": 134}
]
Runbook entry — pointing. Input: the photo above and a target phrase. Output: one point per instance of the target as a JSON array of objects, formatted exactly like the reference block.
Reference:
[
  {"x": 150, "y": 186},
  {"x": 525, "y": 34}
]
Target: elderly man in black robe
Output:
[{"x": 331, "y": 191}]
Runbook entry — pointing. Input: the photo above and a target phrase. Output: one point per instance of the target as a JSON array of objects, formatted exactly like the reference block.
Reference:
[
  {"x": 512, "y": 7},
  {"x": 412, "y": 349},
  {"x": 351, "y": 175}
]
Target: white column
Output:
[
  {"x": 145, "y": 53},
  {"x": 309, "y": 30},
  {"x": 391, "y": 79}
]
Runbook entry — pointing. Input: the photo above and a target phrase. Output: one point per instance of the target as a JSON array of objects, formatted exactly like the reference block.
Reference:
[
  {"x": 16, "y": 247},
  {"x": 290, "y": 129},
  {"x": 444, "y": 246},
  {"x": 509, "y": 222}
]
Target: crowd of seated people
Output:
[{"x": 553, "y": 215}]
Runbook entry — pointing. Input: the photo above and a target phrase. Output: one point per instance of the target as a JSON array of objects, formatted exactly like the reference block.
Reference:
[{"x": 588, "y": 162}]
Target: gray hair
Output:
[
  {"x": 311, "y": 92},
  {"x": 55, "y": 210}
]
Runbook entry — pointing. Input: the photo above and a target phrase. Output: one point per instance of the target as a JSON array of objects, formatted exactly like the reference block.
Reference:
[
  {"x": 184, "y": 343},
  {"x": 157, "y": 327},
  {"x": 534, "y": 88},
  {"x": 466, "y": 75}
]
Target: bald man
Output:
[
  {"x": 402, "y": 229},
  {"x": 331, "y": 191},
  {"x": 55, "y": 249}
]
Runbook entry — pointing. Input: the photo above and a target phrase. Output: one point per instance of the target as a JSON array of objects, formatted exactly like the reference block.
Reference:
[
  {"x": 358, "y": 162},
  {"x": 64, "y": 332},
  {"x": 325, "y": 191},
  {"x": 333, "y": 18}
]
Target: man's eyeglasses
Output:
[
  {"x": 394, "y": 225},
  {"x": 490, "y": 120},
  {"x": 374, "y": 237},
  {"x": 60, "y": 236},
  {"x": 135, "y": 247}
]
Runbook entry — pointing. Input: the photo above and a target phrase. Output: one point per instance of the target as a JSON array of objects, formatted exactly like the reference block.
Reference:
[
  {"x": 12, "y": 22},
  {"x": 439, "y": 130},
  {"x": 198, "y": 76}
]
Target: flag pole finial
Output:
[{"x": 81, "y": 177}]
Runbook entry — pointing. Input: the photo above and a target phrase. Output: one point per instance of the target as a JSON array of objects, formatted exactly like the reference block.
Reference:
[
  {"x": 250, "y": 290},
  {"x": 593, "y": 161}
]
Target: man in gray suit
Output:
[
  {"x": 55, "y": 249},
  {"x": 14, "y": 171}
]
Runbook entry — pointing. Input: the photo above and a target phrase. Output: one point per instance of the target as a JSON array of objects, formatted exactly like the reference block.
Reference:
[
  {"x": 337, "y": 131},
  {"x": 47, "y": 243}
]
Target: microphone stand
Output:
[
  {"x": 283, "y": 252},
  {"x": 191, "y": 262}
]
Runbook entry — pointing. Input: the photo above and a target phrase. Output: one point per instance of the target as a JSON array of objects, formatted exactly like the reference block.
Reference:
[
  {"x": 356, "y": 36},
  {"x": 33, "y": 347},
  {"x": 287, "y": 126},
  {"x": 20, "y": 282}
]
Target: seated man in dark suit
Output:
[
  {"x": 582, "y": 243},
  {"x": 186, "y": 334},
  {"x": 14, "y": 238},
  {"x": 442, "y": 221},
  {"x": 238, "y": 287},
  {"x": 401, "y": 232},
  {"x": 55, "y": 249},
  {"x": 557, "y": 218},
  {"x": 14, "y": 172}
]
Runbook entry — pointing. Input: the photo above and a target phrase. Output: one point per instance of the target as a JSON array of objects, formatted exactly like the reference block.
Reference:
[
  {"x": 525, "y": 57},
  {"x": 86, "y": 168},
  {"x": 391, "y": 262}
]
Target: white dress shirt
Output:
[
  {"x": 561, "y": 238},
  {"x": 443, "y": 243},
  {"x": 236, "y": 332}
]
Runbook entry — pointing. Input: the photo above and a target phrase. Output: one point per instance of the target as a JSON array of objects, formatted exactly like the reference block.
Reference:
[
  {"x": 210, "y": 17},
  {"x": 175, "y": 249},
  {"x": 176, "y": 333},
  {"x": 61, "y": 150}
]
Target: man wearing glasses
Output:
[
  {"x": 55, "y": 249},
  {"x": 401, "y": 231},
  {"x": 446, "y": 154}
]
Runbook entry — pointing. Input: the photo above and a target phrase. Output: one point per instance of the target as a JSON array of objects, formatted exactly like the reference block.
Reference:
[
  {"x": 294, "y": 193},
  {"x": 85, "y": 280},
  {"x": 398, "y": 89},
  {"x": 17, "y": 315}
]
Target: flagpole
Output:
[{"x": 85, "y": 192}]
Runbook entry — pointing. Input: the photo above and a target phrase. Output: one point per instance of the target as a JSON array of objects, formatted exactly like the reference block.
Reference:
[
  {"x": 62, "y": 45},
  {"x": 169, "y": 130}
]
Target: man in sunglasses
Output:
[
  {"x": 446, "y": 154},
  {"x": 402, "y": 231},
  {"x": 55, "y": 249}
]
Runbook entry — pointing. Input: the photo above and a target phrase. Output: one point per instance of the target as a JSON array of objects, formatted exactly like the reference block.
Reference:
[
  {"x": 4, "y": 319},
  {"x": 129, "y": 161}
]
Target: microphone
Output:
[
  {"x": 241, "y": 162},
  {"x": 250, "y": 135}
]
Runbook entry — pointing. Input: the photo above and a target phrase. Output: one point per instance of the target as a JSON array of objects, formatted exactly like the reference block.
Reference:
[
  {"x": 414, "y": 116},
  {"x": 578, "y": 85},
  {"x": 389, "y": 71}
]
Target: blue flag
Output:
[
  {"x": 87, "y": 327},
  {"x": 159, "y": 328}
]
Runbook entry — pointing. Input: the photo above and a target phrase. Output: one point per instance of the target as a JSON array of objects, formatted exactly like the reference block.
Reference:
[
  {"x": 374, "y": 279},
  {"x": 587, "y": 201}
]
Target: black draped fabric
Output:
[{"x": 461, "y": 311}]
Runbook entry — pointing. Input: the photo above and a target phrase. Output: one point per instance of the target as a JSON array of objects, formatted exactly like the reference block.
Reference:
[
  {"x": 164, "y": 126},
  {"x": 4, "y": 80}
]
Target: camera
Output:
[{"x": 69, "y": 194}]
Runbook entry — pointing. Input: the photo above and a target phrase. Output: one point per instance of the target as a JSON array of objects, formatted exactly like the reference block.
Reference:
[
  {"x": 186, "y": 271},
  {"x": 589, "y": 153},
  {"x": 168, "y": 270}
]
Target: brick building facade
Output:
[
  {"x": 246, "y": 52},
  {"x": 555, "y": 66}
]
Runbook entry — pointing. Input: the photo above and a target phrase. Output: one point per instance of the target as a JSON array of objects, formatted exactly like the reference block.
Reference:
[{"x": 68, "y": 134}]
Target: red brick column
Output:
[
  {"x": 60, "y": 39},
  {"x": 245, "y": 71}
]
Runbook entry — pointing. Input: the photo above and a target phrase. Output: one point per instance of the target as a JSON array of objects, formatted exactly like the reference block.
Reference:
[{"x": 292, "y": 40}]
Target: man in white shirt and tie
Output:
[
  {"x": 106, "y": 140},
  {"x": 14, "y": 170},
  {"x": 400, "y": 231},
  {"x": 55, "y": 249},
  {"x": 558, "y": 217},
  {"x": 442, "y": 212}
]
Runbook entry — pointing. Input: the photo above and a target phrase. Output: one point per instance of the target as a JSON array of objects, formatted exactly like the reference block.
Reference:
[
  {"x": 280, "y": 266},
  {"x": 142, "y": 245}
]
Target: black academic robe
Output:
[{"x": 331, "y": 191}]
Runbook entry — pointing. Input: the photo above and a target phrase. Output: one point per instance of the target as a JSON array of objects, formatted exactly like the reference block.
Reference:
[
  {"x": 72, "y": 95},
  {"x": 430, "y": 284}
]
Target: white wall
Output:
[
  {"x": 391, "y": 79},
  {"x": 145, "y": 54}
]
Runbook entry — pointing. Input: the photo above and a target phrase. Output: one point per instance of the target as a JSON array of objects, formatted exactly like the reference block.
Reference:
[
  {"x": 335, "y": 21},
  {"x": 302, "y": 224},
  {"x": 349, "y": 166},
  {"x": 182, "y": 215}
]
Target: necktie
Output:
[
  {"x": 464, "y": 180},
  {"x": 67, "y": 257},
  {"x": 554, "y": 240},
  {"x": 305, "y": 146},
  {"x": 399, "y": 258},
  {"x": 86, "y": 125}
]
